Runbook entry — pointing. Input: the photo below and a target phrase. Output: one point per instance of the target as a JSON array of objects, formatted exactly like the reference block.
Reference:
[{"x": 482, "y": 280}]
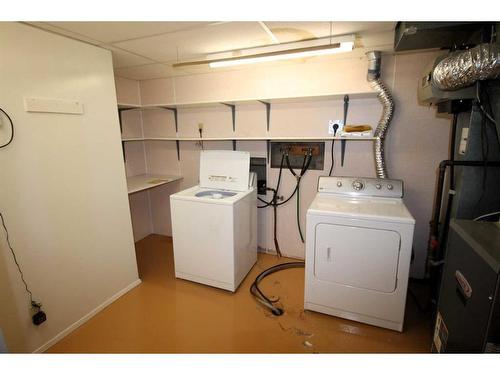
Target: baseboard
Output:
[
  {"x": 85, "y": 318},
  {"x": 273, "y": 252}
]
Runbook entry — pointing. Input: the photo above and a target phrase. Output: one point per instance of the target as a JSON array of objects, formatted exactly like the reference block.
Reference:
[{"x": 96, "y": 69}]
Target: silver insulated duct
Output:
[
  {"x": 464, "y": 68},
  {"x": 385, "y": 97}
]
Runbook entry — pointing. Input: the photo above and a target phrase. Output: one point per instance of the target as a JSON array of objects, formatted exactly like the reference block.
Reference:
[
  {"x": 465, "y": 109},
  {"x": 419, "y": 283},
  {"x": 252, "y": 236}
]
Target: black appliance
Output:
[{"x": 468, "y": 317}]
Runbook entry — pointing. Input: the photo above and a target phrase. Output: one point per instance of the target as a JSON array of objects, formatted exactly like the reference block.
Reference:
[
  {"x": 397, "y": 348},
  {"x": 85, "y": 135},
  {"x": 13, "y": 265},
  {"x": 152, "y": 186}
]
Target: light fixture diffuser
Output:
[
  {"x": 277, "y": 52},
  {"x": 285, "y": 55}
]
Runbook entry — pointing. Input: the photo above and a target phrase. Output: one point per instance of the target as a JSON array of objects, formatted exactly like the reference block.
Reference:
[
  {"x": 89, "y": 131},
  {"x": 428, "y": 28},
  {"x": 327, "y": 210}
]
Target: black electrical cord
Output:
[
  {"x": 274, "y": 201},
  {"x": 32, "y": 302},
  {"x": 335, "y": 128},
  {"x": 277, "y": 187},
  {"x": 305, "y": 166},
  {"x": 11, "y": 129},
  {"x": 333, "y": 160},
  {"x": 260, "y": 296},
  {"x": 275, "y": 211}
]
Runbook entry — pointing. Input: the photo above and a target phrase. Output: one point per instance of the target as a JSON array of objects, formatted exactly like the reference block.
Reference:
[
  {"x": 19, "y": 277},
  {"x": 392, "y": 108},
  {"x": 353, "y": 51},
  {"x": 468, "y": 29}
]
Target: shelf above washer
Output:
[
  {"x": 149, "y": 181},
  {"x": 276, "y": 138},
  {"x": 276, "y": 100}
]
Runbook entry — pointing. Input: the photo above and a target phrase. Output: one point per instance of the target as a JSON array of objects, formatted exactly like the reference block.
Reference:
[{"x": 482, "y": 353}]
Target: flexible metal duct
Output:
[
  {"x": 464, "y": 68},
  {"x": 385, "y": 97}
]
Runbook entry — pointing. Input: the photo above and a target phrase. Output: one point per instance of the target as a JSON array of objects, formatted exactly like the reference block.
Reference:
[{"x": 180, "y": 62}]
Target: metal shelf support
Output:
[
  {"x": 268, "y": 113},
  {"x": 173, "y": 109},
  {"x": 177, "y": 144},
  {"x": 233, "y": 113},
  {"x": 234, "y": 144},
  {"x": 268, "y": 147},
  {"x": 120, "y": 110}
]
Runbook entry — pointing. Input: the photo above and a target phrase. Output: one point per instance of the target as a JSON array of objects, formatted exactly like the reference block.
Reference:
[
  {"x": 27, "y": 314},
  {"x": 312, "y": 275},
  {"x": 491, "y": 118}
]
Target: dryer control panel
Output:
[{"x": 361, "y": 186}]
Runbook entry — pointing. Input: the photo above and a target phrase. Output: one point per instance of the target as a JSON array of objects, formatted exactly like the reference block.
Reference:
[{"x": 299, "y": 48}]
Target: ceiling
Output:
[{"x": 147, "y": 50}]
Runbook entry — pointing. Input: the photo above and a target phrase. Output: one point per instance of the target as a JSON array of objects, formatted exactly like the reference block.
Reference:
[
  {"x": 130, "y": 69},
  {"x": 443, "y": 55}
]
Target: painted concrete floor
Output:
[{"x": 168, "y": 315}]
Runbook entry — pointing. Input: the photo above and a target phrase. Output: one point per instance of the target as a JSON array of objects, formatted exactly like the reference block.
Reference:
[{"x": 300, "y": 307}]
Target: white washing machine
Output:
[
  {"x": 214, "y": 224},
  {"x": 358, "y": 250}
]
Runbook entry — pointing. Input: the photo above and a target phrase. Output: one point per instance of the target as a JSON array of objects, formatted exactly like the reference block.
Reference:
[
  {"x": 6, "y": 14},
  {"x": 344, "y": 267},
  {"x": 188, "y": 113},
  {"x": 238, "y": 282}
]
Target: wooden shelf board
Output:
[
  {"x": 295, "y": 99},
  {"x": 275, "y": 138},
  {"x": 148, "y": 181},
  {"x": 128, "y": 106}
]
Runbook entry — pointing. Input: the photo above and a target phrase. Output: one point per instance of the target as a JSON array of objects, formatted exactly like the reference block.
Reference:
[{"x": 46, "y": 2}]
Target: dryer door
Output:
[{"x": 359, "y": 257}]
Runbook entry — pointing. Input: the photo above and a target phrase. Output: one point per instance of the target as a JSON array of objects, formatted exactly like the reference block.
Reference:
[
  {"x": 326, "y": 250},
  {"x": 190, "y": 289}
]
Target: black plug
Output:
[
  {"x": 39, "y": 317},
  {"x": 335, "y": 128}
]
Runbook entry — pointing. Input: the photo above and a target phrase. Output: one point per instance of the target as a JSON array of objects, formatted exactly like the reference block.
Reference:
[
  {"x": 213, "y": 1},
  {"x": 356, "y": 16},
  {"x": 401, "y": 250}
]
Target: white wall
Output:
[
  {"x": 63, "y": 189},
  {"x": 416, "y": 142}
]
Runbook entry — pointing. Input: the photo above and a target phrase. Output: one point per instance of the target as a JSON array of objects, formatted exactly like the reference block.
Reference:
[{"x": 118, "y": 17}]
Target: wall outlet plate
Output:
[{"x": 331, "y": 129}]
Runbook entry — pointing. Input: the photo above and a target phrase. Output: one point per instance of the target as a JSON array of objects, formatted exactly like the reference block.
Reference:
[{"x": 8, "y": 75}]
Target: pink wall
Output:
[{"x": 416, "y": 142}]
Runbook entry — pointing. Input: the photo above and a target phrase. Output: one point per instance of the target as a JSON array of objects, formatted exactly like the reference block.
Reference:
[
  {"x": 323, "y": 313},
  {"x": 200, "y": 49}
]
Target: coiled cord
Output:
[{"x": 260, "y": 296}]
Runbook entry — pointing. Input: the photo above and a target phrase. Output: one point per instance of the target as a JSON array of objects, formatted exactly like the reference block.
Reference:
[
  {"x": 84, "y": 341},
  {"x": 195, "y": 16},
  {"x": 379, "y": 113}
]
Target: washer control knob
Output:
[
  {"x": 389, "y": 186},
  {"x": 357, "y": 185},
  {"x": 339, "y": 183},
  {"x": 378, "y": 186}
]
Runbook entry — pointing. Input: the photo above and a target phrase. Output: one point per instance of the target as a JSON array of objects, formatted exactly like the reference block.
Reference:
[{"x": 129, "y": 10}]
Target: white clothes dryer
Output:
[{"x": 358, "y": 250}]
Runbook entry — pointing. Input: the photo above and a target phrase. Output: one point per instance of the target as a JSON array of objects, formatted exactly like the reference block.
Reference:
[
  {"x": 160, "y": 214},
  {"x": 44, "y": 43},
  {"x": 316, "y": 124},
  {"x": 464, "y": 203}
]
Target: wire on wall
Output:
[
  {"x": 11, "y": 129},
  {"x": 39, "y": 316},
  {"x": 32, "y": 302}
]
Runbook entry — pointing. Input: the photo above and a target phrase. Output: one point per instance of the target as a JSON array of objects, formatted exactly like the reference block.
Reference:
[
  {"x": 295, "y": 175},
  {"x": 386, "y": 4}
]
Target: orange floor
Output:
[{"x": 167, "y": 315}]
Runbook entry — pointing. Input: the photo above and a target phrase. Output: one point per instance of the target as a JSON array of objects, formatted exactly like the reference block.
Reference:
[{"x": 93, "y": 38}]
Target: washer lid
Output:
[
  {"x": 228, "y": 170},
  {"x": 203, "y": 195},
  {"x": 370, "y": 208}
]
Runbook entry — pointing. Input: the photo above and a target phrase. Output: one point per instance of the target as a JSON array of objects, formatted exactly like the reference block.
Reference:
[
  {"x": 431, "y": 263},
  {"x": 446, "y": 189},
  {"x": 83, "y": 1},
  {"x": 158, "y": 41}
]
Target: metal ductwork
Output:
[
  {"x": 464, "y": 68},
  {"x": 385, "y": 98}
]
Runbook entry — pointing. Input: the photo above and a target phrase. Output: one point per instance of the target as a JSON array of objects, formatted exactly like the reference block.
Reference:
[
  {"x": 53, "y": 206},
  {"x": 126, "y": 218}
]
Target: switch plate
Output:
[{"x": 50, "y": 105}]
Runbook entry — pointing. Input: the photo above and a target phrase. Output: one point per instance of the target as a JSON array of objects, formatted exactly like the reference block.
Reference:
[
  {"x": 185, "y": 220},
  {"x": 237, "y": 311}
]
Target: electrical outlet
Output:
[{"x": 331, "y": 126}]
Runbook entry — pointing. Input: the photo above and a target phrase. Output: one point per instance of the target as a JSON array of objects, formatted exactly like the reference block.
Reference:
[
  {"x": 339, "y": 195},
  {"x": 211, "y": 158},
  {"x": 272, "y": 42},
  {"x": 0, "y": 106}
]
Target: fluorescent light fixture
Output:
[
  {"x": 285, "y": 55},
  {"x": 277, "y": 52}
]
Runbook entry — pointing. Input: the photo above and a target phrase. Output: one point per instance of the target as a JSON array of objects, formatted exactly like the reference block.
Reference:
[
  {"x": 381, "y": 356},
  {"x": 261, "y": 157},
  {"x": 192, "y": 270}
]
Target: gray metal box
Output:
[{"x": 468, "y": 318}]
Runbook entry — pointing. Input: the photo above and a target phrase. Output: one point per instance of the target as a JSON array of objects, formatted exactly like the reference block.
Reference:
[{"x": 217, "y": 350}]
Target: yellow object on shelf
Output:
[{"x": 356, "y": 128}]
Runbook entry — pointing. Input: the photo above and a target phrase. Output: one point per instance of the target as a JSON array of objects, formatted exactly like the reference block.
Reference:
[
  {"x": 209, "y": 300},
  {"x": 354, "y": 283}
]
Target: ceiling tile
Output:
[
  {"x": 199, "y": 42},
  {"x": 70, "y": 34},
  {"x": 108, "y": 32},
  {"x": 143, "y": 72},
  {"x": 124, "y": 59},
  {"x": 294, "y": 31}
]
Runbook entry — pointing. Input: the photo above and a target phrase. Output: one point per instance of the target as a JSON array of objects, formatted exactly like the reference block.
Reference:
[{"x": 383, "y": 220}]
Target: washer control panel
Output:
[{"x": 361, "y": 186}]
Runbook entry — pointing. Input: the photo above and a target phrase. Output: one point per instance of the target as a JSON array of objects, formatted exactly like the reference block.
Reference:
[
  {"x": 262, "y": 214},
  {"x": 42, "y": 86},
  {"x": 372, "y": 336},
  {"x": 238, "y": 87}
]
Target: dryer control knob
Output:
[
  {"x": 389, "y": 186},
  {"x": 378, "y": 186},
  {"x": 339, "y": 183},
  {"x": 357, "y": 185}
]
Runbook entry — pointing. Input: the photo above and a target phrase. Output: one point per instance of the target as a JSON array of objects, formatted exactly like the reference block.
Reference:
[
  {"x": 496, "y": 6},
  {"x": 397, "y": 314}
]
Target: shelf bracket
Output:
[
  {"x": 268, "y": 147},
  {"x": 173, "y": 109},
  {"x": 234, "y": 144},
  {"x": 268, "y": 113},
  {"x": 123, "y": 151},
  {"x": 178, "y": 150},
  {"x": 177, "y": 144},
  {"x": 120, "y": 110},
  {"x": 233, "y": 113}
]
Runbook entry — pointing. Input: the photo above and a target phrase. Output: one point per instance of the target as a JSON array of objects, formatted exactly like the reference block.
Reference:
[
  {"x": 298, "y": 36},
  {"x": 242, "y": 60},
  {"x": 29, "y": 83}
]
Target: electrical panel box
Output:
[
  {"x": 296, "y": 154},
  {"x": 258, "y": 165}
]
